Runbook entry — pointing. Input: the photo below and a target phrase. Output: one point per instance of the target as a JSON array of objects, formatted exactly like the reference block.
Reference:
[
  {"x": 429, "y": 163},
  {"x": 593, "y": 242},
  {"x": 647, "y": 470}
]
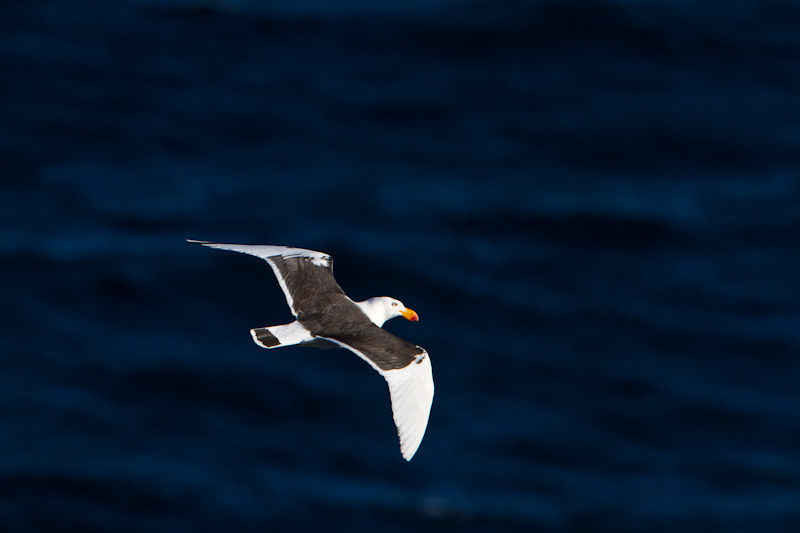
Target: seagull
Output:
[{"x": 325, "y": 317}]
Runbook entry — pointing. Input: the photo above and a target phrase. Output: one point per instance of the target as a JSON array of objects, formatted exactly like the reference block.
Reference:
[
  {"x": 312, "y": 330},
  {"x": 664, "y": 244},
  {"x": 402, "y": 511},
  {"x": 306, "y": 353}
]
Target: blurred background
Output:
[{"x": 594, "y": 206}]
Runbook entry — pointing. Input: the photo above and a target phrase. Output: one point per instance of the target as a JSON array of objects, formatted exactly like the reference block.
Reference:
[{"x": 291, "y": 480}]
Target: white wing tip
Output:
[
  {"x": 265, "y": 251},
  {"x": 408, "y": 452},
  {"x": 411, "y": 389}
]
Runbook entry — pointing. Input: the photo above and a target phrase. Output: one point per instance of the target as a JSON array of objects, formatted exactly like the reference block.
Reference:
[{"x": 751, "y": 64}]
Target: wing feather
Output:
[
  {"x": 301, "y": 273},
  {"x": 411, "y": 390}
]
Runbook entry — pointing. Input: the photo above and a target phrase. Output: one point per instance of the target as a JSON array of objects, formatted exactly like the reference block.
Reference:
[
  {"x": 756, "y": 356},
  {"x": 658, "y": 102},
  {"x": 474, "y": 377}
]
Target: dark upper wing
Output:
[
  {"x": 379, "y": 347},
  {"x": 407, "y": 370},
  {"x": 301, "y": 273}
]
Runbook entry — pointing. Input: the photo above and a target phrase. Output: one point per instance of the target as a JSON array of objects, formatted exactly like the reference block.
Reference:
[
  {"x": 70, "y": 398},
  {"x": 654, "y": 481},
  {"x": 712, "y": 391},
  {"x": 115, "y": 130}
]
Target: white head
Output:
[{"x": 382, "y": 308}]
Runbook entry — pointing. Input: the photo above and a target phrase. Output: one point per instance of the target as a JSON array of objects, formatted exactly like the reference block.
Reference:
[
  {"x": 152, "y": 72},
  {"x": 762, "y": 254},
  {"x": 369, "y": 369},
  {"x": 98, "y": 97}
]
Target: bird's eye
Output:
[{"x": 394, "y": 304}]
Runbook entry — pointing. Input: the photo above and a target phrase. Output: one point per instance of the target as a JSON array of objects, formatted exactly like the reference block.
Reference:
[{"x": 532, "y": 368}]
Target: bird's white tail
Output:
[{"x": 277, "y": 336}]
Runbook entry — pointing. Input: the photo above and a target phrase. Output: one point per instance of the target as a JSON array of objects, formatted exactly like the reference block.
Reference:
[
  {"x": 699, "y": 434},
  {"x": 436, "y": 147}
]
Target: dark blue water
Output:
[{"x": 593, "y": 205}]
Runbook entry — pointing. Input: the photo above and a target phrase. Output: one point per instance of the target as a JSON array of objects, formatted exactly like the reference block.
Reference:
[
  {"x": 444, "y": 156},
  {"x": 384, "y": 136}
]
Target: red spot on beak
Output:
[{"x": 410, "y": 314}]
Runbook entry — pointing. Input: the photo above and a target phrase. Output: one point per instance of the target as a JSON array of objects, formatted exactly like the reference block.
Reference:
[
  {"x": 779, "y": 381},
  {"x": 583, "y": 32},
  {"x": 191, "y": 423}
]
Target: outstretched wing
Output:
[
  {"x": 301, "y": 273},
  {"x": 407, "y": 369}
]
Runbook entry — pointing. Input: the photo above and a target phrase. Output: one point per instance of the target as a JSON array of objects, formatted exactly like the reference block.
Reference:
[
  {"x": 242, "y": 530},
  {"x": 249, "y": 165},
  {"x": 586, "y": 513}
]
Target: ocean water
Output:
[{"x": 594, "y": 206}]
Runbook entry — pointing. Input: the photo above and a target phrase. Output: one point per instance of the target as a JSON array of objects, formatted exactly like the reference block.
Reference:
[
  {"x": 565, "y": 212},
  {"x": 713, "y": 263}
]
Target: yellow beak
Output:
[{"x": 410, "y": 314}]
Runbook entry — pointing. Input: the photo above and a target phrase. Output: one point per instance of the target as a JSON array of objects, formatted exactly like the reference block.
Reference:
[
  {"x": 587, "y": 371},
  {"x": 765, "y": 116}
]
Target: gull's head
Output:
[
  {"x": 383, "y": 308},
  {"x": 401, "y": 310}
]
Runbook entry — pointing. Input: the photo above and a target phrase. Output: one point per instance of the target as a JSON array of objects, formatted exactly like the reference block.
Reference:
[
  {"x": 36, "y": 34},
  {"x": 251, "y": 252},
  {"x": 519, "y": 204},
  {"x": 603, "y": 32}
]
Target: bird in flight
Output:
[{"x": 326, "y": 318}]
